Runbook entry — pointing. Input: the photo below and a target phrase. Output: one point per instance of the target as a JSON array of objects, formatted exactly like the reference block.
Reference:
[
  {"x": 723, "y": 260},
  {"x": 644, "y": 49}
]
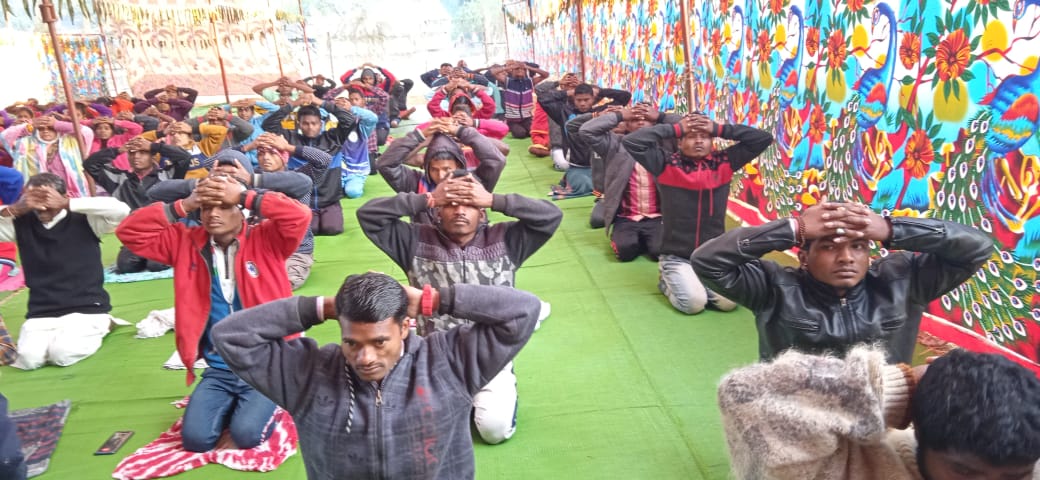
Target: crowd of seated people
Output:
[{"x": 231, "y": 197}]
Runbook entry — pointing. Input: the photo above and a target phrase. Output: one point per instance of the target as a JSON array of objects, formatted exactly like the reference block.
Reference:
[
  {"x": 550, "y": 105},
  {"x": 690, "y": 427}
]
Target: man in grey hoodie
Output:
[
  {"x": 461, "y": 247},
  {"x": 383, "y": 404},
  {"x": 443, "y": 156}
]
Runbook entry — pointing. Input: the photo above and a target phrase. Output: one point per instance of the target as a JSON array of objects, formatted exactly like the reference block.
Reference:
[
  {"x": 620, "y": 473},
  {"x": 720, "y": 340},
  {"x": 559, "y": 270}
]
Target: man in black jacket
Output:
[
  {"x": 131, "y": 187},
  {"x": 563, "y": 105},
  {"x": 839, "y": 297},
  {"x": 311, "y": 132},
  {"x": 694, "y": 188}
]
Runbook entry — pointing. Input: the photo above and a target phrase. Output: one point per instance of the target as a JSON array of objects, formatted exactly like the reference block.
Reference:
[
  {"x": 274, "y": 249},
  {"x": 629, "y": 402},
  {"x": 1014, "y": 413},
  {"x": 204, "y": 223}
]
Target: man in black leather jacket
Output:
[{"x": 839, "y": 297}]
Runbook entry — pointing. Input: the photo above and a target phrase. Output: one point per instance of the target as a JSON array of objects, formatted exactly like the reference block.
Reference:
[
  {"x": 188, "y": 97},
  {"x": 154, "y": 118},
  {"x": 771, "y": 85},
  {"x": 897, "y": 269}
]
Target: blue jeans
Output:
[
  {"x": 222, "y": 400},
  {"x": 354, "y": 185},
  {"x": 684, "y": 290}
]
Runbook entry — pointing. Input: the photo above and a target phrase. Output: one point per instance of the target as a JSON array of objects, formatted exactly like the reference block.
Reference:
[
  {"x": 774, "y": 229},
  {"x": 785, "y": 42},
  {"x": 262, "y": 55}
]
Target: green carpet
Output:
[{"x": 616, "y": 384}]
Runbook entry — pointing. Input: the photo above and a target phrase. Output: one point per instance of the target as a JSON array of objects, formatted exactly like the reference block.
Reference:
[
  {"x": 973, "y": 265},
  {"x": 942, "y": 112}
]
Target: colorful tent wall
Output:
[
  {"x": 85, "y": 64},
  {"x": 915, "y": 107}
]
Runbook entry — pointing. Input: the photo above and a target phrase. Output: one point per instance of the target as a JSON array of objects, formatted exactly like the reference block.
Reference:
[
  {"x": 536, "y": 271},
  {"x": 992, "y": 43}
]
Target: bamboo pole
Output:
[
  {"x": 332, "y": 66},
  {"x": 581, "y": 41},
  {"x": 306, "y": 41},
  {"x": 220, "y": 58},
  {"x": 530, "y": 18},
  {"x": 688, "y": 71},
  {"x": 277, "y": 49},
  {"x": 505, "y": 28},
  {"x": 49, "y": 17},
  {"x": 104, "y": 43}
]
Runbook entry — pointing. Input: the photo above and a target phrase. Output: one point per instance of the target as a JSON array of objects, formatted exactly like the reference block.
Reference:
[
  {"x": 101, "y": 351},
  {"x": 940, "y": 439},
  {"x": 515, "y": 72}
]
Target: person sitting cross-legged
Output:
[
  {"x": 381, "y": 403},
  {"x": 59, "y": 243},
  {"x": 222, "y": 266}
]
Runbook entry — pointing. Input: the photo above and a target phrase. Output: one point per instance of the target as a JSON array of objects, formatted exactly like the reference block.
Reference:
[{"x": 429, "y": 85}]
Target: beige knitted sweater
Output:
[{"x": 809, "y": 417}]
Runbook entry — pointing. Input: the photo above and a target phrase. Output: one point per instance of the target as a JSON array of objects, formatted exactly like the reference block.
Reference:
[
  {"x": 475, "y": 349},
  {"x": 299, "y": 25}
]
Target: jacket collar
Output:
[{"x": 826, "y": 293}]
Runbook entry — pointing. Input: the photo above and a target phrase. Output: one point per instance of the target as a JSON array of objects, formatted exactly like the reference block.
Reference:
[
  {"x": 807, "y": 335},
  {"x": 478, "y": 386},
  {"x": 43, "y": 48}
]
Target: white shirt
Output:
[
  {"x": 224, "y": 268},
  {"x": 103, "y": 215}
]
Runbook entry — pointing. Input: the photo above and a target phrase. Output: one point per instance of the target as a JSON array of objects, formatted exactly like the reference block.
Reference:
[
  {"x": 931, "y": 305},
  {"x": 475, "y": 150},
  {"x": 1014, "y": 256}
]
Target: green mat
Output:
[{"x": 616, "y": 384}]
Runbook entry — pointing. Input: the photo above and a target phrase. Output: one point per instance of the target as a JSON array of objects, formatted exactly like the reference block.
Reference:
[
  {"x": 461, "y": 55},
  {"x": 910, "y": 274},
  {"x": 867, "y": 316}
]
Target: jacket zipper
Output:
[
  {"x": 379, "y": 429},
  {"x": 932, "y": 229},
  {"x": 845, "y": 317}
]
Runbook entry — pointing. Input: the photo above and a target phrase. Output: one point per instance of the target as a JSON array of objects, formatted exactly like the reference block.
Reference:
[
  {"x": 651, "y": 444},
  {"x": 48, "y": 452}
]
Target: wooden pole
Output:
[
  {"x": 581, "y": 41},
  {"x": 277, "y": 49},
  {"x": 688, "y": 75},
  {"x": 306, "y": 41},
  {"x": 274, "y": 39},
  {"x": 483, "y": 25},
  {"x": 332, "y": 67},
  {"x": 49, "y": 17},
  {"x": 505, "y": 28},
  {"x": 108, "y": 60},
  {"x": 220, "y": 58},
  {"x": 530, "y": 18}
]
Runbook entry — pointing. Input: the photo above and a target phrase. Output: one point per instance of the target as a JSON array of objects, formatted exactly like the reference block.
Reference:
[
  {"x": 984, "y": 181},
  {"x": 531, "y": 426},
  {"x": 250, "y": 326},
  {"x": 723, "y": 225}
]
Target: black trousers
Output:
[
  {"x": 399, "y": 97},
  {"x": 630, "y": 239},
  {"x": 381, "y": 135},
  {"x": 127, "y": 262},
  {"x": 520, "y": 128}
]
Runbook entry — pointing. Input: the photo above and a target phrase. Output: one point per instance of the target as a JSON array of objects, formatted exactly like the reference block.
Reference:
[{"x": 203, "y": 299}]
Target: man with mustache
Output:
[
  {"x": 222, "y": 266},
  {"x": 461, "y": 247},
  {"x": 839, "y": 297},
  {"x": 382, "y": 403}
]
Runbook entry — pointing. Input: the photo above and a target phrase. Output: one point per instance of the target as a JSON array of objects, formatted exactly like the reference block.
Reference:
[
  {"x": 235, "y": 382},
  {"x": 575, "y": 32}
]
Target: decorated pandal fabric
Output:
[
  {"x": 924, "y": 108},
  {"x": 182, "y": 43}
]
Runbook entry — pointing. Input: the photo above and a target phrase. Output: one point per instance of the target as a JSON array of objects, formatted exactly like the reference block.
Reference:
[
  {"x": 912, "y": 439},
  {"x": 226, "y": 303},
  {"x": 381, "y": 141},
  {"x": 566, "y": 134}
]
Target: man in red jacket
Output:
[{"x": 223, "y": 266}]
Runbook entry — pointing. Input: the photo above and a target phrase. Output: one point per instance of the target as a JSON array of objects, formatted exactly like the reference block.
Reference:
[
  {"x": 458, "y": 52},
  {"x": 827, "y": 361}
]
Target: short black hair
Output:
[
  {"x": 584, "y": 88},
  {"x": 446, "y": 64},
  {"x": 308, "y": 111},
  {"x": 462, "y": 102},
  {"x": 47, "y": 179},
  {"x": 371, "y": 298},
  {"x": 978, "y": 403}
]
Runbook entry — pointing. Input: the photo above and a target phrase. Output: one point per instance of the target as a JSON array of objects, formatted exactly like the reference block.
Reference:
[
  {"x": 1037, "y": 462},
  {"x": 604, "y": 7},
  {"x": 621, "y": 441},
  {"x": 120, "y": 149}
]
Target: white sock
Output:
[{"x": 559, "y": 159}]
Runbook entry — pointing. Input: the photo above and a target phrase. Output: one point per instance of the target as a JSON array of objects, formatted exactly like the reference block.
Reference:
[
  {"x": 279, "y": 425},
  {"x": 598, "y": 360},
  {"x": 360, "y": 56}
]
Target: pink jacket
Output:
[
  {"x": 130, "y": 130},
  {"x": 487, "y": 104},
  {"x": 490, "y": 128}
]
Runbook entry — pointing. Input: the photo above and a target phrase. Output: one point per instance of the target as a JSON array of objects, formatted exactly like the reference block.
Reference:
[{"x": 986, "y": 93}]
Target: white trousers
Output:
[
  {"x": 62, "y": 340},
  {"x": 494, "y": 407}
]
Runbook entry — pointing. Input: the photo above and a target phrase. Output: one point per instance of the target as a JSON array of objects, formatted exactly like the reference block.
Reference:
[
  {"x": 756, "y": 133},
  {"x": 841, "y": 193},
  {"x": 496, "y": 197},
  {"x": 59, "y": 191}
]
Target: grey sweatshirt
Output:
[
  {"x": 414, "y": 424},
  {"x": 428, "y": 256}
]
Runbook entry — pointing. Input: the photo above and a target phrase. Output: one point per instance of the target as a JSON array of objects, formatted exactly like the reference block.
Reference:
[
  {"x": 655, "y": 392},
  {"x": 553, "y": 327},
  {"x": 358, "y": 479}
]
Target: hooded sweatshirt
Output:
[
  {"x": 428, "y": 256},
  {"x": 403, "y": 179}
]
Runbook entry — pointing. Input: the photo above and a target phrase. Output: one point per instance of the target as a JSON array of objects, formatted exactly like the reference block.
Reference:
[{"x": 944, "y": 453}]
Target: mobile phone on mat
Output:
[{"x": 114, "y": 443}]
